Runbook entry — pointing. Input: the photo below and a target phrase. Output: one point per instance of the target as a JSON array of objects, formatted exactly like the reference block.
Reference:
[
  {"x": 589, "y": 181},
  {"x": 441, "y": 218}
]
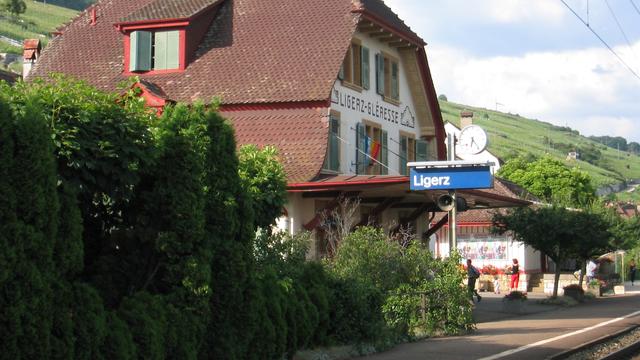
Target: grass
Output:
[
  {"x": 37, "y": 22},
  {"x": 510, "y": 135},
  {"x": 6, "y": 48}
]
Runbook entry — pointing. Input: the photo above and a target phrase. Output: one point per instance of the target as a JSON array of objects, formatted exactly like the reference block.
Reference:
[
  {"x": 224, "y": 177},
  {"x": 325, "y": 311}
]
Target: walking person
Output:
[
  {"x": 473, "y": 274},
  {"x": 632, "y": 270},
  {"x": 591, "y": 270},
  {"x": 515, "y": 275}
]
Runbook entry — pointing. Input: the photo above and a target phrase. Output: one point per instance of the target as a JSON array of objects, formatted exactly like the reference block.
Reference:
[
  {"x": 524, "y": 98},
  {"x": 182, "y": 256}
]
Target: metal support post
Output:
[{"x": 451, "y": 143}]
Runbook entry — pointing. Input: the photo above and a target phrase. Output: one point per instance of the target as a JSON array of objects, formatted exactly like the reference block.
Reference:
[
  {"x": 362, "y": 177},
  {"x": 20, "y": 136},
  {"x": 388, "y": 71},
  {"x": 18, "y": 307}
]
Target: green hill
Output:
[
  {"x": 512, "y": 135},
  {"x": 37, "y": 22}
]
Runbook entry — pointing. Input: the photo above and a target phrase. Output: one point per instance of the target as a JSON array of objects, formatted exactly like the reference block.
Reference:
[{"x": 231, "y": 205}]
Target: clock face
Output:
[{"x": 473, "y": 140}]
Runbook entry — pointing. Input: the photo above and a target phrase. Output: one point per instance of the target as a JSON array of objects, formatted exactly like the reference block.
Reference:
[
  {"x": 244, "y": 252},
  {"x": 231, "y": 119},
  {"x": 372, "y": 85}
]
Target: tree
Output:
[
  {"x": 28, "y": 229},
  {"x": 442, "y": 97},
  {"x": 592, "y": 235},
  {"x": 550, "y": 180},
  {"x": 15, "y": 7},
  {"x": 549, "y": 230},
  {"x": 264, "y": 179}
]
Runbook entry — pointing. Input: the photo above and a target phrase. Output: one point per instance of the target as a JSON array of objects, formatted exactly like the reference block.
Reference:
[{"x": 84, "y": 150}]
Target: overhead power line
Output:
[
  {"x": 601, "y": 40},
  {"x": 621, "y": 29},
  {"x": 635, "y": 7}
]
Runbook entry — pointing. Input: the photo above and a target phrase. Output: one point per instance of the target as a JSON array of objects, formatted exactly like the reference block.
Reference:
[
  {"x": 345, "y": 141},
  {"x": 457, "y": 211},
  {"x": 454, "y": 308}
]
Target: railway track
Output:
[{"x": 622, "y": 345}]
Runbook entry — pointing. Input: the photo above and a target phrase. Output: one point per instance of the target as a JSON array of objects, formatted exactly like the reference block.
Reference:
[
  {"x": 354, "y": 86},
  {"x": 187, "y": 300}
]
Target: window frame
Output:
[
  {"x": 410, "y": 151},
  {"x": 355, "y": 69},
  {"x": 388, "y": 84},
  {"x": 374, "y": 131},
  {"x": 327, "y": 166},
  {"x": 129, "y": 68}
]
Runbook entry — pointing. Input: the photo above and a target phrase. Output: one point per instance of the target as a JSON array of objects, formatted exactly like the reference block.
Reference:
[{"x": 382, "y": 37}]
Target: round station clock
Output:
[{"x": 472, "y": 140}]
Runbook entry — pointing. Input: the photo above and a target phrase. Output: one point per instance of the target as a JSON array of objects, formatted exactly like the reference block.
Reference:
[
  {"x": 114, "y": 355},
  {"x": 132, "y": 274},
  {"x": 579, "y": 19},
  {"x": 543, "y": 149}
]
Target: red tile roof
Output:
[
  {"x": 169, "y": 9},
  {"x": 501, "y": 187},
  {"x": 255, "y": 52},
  {"x": 300, "y": 135}
]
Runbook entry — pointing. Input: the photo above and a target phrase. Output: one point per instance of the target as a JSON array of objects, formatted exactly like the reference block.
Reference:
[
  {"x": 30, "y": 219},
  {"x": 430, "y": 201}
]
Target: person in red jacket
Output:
[{"x": 515, "y": 275}]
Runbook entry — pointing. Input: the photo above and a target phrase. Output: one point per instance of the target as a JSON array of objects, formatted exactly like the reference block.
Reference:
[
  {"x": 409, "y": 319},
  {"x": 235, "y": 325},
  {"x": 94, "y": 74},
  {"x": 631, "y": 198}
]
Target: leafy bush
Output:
[
  {"x": 264, "y": 180},
  {"x": 422, "y": 295},
  {"x": 355, "y": 313},
  {"x": 516, "y": 295}
]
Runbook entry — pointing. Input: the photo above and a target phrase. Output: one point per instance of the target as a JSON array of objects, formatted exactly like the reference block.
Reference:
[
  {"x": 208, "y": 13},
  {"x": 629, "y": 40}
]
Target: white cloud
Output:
[
  {"x": 511, "y": 11},
  {"x": 587, "y": 89},
  {"x": 478, "y": 11}
]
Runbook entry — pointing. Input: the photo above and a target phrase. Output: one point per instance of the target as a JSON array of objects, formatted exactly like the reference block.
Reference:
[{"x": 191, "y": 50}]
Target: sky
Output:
[{"x": 536, "y": 58}]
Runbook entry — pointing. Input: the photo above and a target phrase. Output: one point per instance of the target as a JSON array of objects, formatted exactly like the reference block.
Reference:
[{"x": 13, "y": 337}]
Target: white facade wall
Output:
[{"x": 355, "y": 106}]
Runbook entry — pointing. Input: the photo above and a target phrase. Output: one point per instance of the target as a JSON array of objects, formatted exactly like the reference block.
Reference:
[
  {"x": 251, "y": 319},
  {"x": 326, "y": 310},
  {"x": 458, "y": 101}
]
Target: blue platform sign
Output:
[{"x": 451, "y": 178}]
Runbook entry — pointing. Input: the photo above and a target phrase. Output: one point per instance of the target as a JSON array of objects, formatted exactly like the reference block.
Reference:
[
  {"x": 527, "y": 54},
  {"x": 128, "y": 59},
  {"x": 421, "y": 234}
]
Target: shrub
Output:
[
  {"x": 367, "y": 255},
  {"x": 516, "y": 295},
  {"x": 355, "y": 314}
]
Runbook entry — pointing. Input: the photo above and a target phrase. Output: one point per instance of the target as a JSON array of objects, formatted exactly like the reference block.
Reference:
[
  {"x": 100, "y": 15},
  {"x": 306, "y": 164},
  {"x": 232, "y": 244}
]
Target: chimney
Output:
[
  {"x": 94, "y": 17},
  {"x": 30, "y": 54},
  {"x": 466, "y": 118}
]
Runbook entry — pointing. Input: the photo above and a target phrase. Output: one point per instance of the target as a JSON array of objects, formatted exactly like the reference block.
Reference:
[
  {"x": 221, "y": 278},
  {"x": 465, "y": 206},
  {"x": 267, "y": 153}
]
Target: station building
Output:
[{"x": 342, "y": 88}]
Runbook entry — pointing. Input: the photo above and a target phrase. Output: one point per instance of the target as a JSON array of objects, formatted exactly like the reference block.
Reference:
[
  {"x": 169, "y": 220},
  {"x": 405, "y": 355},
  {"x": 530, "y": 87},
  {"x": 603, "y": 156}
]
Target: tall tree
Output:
[
  {"x": 28, "y": 228},
  {"x": 550, "y": 180}
]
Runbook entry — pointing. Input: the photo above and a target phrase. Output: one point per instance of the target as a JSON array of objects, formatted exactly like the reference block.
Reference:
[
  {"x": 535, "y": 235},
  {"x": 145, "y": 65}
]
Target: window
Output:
[
  {"x": 407, "y": 152},
  {"x": 332, "y": 161},
  {"x": 411, "y": 150},
  {"x": 154, "y": 50},
  {"x": 355, "y": 67},
  {"x": 371, "y": 151},
  {"x": 388, "y": 77}
]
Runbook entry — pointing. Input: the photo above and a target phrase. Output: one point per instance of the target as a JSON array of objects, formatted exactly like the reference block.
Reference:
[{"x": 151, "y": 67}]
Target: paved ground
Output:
[{"x": 541, "y": 331}]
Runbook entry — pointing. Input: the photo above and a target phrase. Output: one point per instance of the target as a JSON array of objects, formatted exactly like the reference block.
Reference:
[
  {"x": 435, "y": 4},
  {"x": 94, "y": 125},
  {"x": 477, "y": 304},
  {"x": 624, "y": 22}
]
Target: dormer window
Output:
[
  {"x": 163, "y": 35},
  {"x": 158, "y": 50}
]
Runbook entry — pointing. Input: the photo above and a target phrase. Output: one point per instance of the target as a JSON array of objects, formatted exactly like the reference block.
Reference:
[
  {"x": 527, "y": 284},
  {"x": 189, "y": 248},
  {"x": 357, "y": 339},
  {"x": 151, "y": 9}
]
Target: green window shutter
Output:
[
  {"x": 167, "y": 47},
  {"x": 384, "y": 154},
  {"x": 341, "y": 72},
  {"x": 140, "y": 51},
  {"x": 160, "y": 48},
  {"x": 360, "y": 148},
  {"x": 422, "y": 150},
  {"x": 395, "y": 81},
  {"x": 173, "y": 49},
  {"x": 404, "y": 154},
  {"x": 365, "y": 68},
  {"x": 380, "y": 74},
  {"x": 334, "y": 145}
]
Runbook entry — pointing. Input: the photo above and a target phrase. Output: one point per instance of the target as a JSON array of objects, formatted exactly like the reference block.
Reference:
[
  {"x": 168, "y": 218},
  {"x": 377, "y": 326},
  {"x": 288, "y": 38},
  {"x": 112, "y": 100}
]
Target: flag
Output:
[{"x": 375, "y": 149}]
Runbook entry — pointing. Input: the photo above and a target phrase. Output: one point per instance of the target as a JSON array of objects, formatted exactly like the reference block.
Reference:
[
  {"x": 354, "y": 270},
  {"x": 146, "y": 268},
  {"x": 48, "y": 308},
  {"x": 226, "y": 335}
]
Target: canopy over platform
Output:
[{"x": 388, "y": 192}]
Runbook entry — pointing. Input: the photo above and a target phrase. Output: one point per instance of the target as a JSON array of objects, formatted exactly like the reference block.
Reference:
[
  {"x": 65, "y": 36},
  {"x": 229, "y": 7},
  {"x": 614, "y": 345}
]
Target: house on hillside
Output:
[{"x": 341, "y": 87}]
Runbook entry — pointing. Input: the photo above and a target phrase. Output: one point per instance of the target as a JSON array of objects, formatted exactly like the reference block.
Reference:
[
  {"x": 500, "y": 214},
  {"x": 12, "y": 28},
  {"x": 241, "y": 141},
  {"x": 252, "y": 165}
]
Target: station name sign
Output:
[
  {"x": 379, "y": 110},
  {"x": 451, "y": 178}
]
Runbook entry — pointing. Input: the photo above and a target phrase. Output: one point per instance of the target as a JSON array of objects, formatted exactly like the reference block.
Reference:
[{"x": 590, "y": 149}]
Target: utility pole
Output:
[{"x": 453, "y": 245}]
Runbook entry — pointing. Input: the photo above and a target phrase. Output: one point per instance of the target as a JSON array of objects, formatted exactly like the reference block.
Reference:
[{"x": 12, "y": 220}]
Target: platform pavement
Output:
[{"x": 500, "y": 331}]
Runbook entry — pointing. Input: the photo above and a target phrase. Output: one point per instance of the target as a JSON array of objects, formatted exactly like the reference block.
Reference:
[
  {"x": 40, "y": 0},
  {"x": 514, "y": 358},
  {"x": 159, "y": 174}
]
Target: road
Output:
[{"x": 533, "y": 336}]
